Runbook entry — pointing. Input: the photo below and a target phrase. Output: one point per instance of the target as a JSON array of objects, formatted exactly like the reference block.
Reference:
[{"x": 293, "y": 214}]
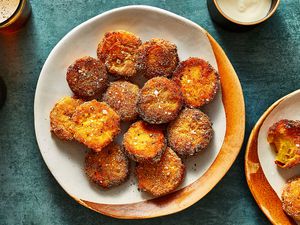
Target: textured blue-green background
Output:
[{"x": 266, "y": 58}]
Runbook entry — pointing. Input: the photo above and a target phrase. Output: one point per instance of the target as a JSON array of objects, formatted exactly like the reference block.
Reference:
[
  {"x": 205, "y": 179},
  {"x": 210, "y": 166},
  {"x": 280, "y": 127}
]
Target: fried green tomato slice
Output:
[
  {"x": 198, "y": 81},
  {"x": 144, "y": 142},
  {"x": 163, "y": 177},
  {"x": 190, "y": 132},
  {"x": 96, "y": 124},
  {"x": 157, "y": 57},
  {"x": 87, "y": 78},
  {"x": 122, "y": 96},
  {"x": 160, "y": 100},
  {"x": 107, "y": 168},
  {"x": 291, "y": 198},
  {"x": 285, "y": 137},
  {"x": 118, "y": 50},
  {"x": 60, "y": 117}
]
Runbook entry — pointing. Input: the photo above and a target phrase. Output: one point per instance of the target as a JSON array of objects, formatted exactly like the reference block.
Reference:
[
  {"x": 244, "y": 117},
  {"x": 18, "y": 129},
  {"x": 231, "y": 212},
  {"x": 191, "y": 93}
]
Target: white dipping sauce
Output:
[
  {"x": 245, "y": 10},
  {"x": 7, "y": 9}
]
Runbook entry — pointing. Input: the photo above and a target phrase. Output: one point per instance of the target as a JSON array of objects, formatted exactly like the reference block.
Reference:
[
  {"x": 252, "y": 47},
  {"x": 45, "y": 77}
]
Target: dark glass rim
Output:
[{"x": 13, "y": 15}]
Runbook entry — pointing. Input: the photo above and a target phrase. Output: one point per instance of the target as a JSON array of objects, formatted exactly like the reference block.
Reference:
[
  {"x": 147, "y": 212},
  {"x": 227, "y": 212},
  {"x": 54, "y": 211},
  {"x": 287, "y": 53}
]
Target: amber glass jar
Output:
[
  {"x": 2, "y": 92},
  {"x": 13, "y": 14}
]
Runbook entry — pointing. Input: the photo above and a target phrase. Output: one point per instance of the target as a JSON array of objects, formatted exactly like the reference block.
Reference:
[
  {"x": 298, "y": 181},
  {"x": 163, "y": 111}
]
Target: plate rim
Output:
[
  {"x": 256, "y": 178},
  {"x": 236, "y": 125}
]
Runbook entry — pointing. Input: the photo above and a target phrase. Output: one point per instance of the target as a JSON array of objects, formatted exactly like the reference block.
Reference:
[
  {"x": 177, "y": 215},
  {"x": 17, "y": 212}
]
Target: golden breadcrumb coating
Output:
[
  {"x": 160, "y": 100},
  {"x": 285, "y": 137},
  {"x": 118, "y": 50},
  {"x": 144, "y": 142},
  {"x": 96, "y": 124},
  {"x": 291, "y": 198},
  {"x": 60, "y": 117},
  {"x": 163, "y": 177},
  {"x": 190, "y": 132},
  {"x": 122, "y": 96},
  {"x": 107, "y": 168},
  {"x": 87, "y": 78},
  {"x": 157, "y": 57},
  {"x": 198, "y": 81}
]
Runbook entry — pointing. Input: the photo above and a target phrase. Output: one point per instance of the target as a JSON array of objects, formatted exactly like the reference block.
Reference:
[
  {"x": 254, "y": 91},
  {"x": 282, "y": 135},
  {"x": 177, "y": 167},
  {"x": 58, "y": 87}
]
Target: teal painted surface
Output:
[{"x": 266, "y": 58}]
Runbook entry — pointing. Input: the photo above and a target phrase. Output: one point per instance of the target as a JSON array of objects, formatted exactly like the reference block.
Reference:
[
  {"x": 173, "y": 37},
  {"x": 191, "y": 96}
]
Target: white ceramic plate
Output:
[
  {"x": 289, "y": 108},
  {"x": 65, "y": 160},
  {"x": 264, "y": 178}
]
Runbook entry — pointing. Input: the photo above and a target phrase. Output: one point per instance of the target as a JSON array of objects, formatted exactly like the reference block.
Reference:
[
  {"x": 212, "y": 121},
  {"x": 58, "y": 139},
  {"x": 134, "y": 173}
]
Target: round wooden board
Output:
[
  {"x": 260, "y": 188},
  {"x": 233, "y": 101}
]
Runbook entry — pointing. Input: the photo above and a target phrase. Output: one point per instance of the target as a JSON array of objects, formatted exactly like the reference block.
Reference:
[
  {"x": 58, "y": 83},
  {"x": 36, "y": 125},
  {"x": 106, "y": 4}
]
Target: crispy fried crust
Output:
[
  {"x": 107, "y": 168},
  {"x": 190, "y": 132},
  {"x": 198, "y": 81},
  {"x": 96, "y": 124},
  {"x": 118, "y": 50},
  {"x": 60, "y": 117},
  {"x": 157, "y": 57},
  {"x": 291, "y": 198},
  {"x": 87, "y": 78},
  {"x": 163, "y": 177},
  {"x": 160, "y": 100},
  {"x": 122, "y": 96},
  {"x": 144, "y": 142},
  {"x": 285, "y": 137}
]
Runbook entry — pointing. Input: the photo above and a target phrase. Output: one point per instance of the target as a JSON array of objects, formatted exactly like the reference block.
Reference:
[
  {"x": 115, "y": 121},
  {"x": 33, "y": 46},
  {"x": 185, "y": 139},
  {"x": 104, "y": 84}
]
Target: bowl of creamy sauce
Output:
[{"x": 242, "y": 12}]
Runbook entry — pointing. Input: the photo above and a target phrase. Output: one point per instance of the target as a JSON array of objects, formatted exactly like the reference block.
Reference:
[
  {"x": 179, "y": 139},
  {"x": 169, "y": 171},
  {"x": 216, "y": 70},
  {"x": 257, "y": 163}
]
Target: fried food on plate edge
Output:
[
  {"x": 60, "y": 117},
  {"x": 291, "y": 198},
  {"x": 284, "y": 136}
]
